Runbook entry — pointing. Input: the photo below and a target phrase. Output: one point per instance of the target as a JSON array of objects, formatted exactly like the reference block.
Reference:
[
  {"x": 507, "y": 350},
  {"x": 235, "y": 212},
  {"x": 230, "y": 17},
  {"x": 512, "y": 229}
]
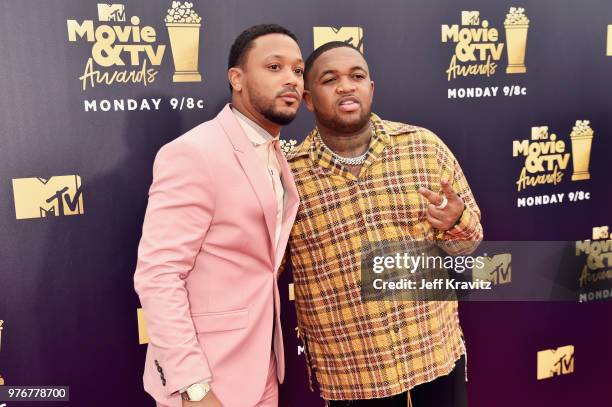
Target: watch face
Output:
[{"x": 196, "y": 392}]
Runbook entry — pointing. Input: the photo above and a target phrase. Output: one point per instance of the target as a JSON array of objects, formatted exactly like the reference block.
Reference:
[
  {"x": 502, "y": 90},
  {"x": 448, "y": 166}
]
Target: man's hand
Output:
[
  {"x": 443, "y": 218},
  {"x": 210, "y": 400}
]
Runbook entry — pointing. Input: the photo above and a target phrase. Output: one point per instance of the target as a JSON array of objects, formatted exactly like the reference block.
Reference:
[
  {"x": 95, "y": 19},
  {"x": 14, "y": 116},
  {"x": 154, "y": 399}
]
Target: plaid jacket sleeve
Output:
[{"x": 467, "y": 234}]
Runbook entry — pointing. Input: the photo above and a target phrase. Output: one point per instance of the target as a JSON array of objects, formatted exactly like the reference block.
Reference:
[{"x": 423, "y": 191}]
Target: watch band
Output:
[{"x": 460, "y": 216}]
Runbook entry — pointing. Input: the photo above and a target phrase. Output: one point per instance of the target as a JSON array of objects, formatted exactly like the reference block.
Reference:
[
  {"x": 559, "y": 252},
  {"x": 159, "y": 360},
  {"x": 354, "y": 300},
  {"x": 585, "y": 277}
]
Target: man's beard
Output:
[
  {"x": 340, "y": 126},
  {"x": 267, "y": 109}
]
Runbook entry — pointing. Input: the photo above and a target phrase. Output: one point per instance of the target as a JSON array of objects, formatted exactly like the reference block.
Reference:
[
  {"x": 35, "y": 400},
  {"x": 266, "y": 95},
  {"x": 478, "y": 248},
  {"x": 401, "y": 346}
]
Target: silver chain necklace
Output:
[{"x": 359, "y": 160}]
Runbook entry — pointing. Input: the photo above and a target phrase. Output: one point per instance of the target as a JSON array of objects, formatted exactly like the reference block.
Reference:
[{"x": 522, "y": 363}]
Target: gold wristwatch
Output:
[{"x": 196, "y": 392}]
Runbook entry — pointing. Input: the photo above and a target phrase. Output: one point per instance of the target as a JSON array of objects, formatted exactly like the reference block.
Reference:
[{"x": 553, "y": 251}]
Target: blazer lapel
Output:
[
  {"x": 291, "y": 207},
  {"x": 249, "y": 161}
]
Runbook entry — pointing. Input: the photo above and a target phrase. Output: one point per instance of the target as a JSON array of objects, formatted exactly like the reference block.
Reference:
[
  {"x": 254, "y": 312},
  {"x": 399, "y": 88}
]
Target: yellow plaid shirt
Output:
[{"x": 370, "y": 349}]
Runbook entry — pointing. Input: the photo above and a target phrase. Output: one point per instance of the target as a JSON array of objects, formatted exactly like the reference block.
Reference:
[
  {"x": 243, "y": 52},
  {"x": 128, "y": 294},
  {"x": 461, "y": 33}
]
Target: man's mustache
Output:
[{"x": 289, "y": 90}]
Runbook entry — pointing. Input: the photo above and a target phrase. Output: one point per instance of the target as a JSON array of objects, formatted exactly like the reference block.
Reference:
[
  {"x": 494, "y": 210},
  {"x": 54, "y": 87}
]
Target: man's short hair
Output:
[
  {"x": 244, "y": 42},
  {"x": 324, "y": 48}
]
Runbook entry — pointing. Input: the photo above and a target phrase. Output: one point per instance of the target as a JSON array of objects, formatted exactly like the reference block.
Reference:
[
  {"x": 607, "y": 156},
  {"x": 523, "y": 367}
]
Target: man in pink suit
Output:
[{"x": 221, "y": 206}]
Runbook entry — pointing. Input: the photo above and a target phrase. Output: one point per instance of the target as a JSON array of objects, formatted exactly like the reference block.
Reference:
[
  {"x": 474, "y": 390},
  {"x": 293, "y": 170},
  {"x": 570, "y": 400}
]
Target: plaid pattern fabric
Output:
[{"x": 372, "y": 349}]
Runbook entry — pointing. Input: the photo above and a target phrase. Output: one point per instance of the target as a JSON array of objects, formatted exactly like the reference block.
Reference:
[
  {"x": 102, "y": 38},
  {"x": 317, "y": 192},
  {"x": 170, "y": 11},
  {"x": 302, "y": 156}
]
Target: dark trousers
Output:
[{"x": 445, "y": 391}]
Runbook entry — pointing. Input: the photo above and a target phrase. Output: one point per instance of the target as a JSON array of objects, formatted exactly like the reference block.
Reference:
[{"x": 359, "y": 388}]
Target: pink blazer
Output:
[{"x": 206, "y": 271}]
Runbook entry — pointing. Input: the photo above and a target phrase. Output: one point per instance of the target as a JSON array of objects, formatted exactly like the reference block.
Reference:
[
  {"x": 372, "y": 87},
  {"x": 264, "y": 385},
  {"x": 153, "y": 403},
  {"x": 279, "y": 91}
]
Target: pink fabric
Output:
[
  {"x": 269, "y": 398},
  {"x": 206, "y": 272},
  {"x": 265, "y": 146}
]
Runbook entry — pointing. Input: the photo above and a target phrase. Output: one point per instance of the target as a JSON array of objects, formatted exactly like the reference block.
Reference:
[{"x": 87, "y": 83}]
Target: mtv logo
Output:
[
  {"x": 470, "y": 18},
  {"x": 111, "y": 12},
  {"x": 539, "y": 133},
  {"x": 555, "y": 362},
  {"x": 600, "y": 232},
  {"x": 143, "y": 335},
  {"x": 497, "y": 269},
  {"x": 2, "y": 384},
  {"x": 40, "y": 198},
  {"x": 609, "y": 42},
  {"x": 350, "y": 35}
]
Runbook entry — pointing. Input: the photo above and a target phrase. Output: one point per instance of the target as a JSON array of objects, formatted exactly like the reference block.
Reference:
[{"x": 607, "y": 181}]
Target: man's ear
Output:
[
  {"x": 307, "y": 97},
  {"x": 235, "y": 78},
  {"x": 372, "y": 91}
]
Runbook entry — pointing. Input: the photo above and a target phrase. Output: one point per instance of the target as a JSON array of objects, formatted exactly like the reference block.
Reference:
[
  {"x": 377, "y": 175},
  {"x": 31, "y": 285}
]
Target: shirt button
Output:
[{"x": 396, "y": 329}]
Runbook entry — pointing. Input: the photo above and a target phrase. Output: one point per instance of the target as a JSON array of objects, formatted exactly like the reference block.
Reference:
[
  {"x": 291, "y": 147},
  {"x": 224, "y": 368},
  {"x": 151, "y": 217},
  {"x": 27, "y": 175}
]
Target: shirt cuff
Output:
[{"x": 466, "y": 228}]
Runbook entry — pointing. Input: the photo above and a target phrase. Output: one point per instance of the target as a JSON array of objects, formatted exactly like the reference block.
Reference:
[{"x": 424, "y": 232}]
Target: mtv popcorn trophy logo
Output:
[
  {"x": 555, "y": 362},
  {"x": 582, "y": 137},
  {"x": 497, "y": 269},
  {"x": 546, "y": 159},
  {"x": 184, "y": 30},
  {"x": 40, "y": 198},
  {"x": 609, "y": 42},
  {"x": 517, "y": 25},
  {"x": 595, "y": 281},
  {"x": 350, "y": 35},
  {"x": 479, "y": 50}
]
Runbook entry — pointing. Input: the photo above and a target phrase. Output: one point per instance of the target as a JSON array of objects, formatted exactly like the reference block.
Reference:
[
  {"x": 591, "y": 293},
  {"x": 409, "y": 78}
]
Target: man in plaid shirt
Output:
[{"x": 363, "y": 179}]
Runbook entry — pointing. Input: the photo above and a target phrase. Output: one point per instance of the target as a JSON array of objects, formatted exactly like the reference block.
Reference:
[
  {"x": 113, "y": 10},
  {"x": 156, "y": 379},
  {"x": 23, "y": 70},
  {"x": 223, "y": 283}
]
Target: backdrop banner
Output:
[{"x": 520, "y": 92}]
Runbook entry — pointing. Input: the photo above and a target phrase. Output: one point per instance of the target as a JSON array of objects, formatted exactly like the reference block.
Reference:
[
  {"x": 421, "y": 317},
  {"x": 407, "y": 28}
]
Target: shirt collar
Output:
[{"x": 256, "y": 134}]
